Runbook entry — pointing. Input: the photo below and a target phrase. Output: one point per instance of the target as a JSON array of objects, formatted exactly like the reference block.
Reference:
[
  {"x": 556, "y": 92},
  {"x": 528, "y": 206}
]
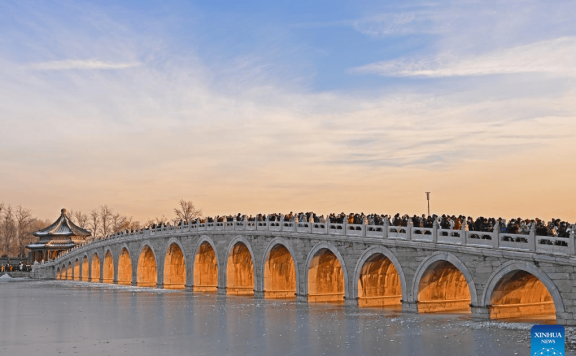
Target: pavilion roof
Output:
[{"x": 63, "y": 227}]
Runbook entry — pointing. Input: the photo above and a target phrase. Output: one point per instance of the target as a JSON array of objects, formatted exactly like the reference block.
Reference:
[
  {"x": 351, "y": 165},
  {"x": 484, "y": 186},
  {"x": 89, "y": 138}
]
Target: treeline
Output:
[
  {"x": 102, "y": 221},
  {"x": 17, "y": 224},
  {"x": 16, "y": 227}
]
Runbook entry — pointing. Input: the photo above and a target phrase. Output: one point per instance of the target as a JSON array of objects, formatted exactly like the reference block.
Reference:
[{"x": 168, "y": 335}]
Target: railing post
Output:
[
  {"x": 267, "y": 221},
  {"x": 364, "y": 226},
  {"x": 463, "y": 234},
  {"x": 345, "y": 225},
  {"x": 435, "y": 231},
  {"x": 532, "y": 237},
  {"x": 496, "y": 234},
  {"x": 409, "y": 229},
  {"x": 386, "y": 226},
  {"x": 326, "y": 225},
  {"x": 571, "y": 241}
]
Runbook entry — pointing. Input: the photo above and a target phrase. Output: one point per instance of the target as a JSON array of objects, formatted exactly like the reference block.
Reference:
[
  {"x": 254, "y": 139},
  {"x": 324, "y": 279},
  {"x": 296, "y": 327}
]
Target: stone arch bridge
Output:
[{"x": 488, "y": 274}]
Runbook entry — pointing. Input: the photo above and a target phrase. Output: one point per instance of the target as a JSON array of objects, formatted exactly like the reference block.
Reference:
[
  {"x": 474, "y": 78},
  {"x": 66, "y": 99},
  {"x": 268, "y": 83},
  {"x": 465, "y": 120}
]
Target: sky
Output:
[{"x": 277, "y": 106}]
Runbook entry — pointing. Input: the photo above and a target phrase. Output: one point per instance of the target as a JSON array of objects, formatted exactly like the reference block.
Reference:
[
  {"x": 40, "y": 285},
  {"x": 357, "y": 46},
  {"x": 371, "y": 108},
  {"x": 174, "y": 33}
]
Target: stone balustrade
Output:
[{"x": 436, "y": 235}]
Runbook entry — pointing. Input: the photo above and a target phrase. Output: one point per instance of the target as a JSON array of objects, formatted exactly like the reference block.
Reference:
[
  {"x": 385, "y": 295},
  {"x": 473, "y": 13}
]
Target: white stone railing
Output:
[{"x": 436, "y": 235}]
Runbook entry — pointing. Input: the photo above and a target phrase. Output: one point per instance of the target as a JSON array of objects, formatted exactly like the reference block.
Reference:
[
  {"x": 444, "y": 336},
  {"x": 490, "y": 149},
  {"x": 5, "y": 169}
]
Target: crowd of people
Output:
[
  {"x": 15, "y": 268},
  {"x": 554, "y": 228}
]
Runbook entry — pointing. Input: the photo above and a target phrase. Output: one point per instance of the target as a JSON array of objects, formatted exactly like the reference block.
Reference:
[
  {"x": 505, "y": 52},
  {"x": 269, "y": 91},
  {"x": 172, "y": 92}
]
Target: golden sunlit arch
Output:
[
  {"x": 326, "y": 280},
  {"x": 146, "y": 270},
  {"x": 442, "y": 283},
  {"x": 108, "y": 272},
  {"x": 76, "y": 275},
  {"x": 174, "y": 266},
  {"x": 240, "y": 271},
  {"x": 124, "y": 267},
  {"x": 95, "y": 271},
  {"x": 379, "y": 279},
  {"x": 280, "y": 270},
  {"x": 520, "y": 290},
  {"x": 206, "y": 266},
  {"x": 85, "y": 269}
]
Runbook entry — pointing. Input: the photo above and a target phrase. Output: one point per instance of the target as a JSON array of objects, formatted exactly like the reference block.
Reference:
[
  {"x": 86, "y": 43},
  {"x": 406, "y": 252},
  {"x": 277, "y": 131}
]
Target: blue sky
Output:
[{"x": 349, "y": 97}]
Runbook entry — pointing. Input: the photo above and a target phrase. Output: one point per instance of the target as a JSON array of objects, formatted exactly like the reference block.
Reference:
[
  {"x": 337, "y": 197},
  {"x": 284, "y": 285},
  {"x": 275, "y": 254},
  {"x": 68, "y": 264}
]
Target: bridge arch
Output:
[
  {"x": 175, "y": 265},
  {"x": 378, "y": 257},
  {"x": 146, "y": 269},
  {"x": 69, "y": 273},
  {"x": 124, "y": 266},
  {"x": 63, "y": 273},
  {"x": 76, "y": 273},
  {"x": 205, "y": 266},
  {"x": 240, "y": 267},
  {"x": 288, "y": 287},
  {"x": 443, "y": 268},
  {"x": 58, "y": 274},
  {"x": 108, "y": 267},
  {"x": 337, "y": 289},
  {"x": 500, "y": 289},
  {"x": 85, "y": 270},
  {"x": 95, "y": 268}
]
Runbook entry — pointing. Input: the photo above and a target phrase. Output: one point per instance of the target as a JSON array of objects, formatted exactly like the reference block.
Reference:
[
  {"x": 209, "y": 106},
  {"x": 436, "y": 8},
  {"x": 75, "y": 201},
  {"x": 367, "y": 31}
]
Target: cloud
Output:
[
  {"x": 556, "y": 57},
  {"x": 237, "y": 135},
  {"x": 69, "y": 64},
  {"x": 386, "y": 24},
  {"x": 398, "y": 24}
]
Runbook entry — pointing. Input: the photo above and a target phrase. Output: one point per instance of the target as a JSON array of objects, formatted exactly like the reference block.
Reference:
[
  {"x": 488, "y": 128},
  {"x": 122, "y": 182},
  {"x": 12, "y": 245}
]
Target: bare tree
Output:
[
  {"x": 81, "y": 219},
  {"x": 134, "y": 224},
  {"x": 119, "y": 223},
  {"x": 186, "y": 211},
  {"x": 2, "y": 229},
  {"x": 23, "y": 234},
  {"x": 106, "y": 220},
  {"x": 71, "y": 215},
  {"x": 8, "y": 229},
  {"x": 94, "y": 224},
  {"x": 158, "y": 221}
]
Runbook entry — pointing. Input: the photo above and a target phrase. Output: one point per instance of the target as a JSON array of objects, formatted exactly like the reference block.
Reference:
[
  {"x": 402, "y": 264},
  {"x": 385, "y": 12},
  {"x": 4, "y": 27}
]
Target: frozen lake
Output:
[{"x": 65, "y": 318}]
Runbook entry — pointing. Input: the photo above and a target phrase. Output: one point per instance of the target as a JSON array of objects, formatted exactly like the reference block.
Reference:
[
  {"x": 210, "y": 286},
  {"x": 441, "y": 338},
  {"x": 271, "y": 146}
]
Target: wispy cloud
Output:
[
  {"x": 398, "y": 24},
  {"x": 553, "y": 57},
  {"x": 386, "y": 24},
  {"x": 69, "y": 64}
]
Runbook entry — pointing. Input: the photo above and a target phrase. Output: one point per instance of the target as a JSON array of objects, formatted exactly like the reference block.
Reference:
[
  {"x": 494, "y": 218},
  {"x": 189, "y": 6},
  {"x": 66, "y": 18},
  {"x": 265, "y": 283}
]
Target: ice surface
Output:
[
  {"x": 66, "y": 318},
  {"x": 6, "y": 278}
]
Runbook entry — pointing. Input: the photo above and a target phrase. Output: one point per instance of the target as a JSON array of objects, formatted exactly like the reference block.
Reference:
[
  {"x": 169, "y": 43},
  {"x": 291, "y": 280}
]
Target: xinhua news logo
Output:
[{"x": 547, "y": 340}]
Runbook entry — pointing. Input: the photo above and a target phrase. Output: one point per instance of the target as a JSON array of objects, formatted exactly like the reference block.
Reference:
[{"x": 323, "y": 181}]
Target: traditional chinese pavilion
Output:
[{"x": 62, "y": 235}]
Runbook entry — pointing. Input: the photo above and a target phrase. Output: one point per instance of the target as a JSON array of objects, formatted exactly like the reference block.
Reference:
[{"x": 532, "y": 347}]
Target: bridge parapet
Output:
[{"x": 484, "y": 239}]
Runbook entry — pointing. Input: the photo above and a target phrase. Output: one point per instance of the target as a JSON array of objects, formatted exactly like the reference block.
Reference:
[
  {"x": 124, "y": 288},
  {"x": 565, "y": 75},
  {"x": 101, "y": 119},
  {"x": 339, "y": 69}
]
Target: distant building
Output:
[{"x": 62, "y": 235}]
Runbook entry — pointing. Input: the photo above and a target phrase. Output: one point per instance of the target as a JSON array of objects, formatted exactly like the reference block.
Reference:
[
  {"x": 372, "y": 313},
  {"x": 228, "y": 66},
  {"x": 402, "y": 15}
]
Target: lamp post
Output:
[{"x": 428, "y": 198}]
